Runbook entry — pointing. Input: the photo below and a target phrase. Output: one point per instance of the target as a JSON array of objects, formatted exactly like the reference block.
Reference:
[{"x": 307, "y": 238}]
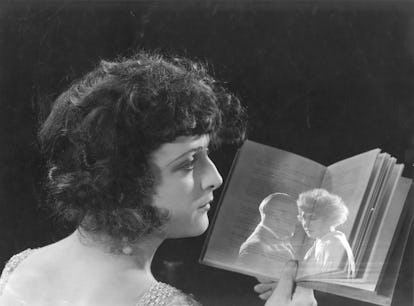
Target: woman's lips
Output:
[
  {"x": 206, "y": 206},
  {"x": 205, "y": 202}
]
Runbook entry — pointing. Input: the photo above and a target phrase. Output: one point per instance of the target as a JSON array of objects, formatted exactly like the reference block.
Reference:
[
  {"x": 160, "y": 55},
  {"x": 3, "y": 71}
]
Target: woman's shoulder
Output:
[
  {"x": 164, "y": 294},
  {"x": 334, "y": 239},
  {"x": 334, "y": 235},
  {"x": 26, "y": 276},
  {"x": 15, "y": 260},
  {"x": 16, "y": 277},
  {"x": 11, "y": 266}
]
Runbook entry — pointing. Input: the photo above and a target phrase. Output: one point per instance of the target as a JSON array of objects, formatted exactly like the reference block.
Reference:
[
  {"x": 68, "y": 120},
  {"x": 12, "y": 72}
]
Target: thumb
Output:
[{"x": 286, "y": 283}]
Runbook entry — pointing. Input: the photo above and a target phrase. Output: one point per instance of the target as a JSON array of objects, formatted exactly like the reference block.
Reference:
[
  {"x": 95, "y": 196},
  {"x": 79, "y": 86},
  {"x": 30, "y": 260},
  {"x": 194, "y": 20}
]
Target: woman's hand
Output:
[
  {"x": 284, "y": 292},
  {"x": 265, "y": 288}
]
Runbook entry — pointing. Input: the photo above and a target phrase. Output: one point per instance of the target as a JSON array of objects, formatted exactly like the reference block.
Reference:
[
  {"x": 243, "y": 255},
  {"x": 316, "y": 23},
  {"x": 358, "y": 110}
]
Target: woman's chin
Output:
[
  {"x": 196, "y": 228},
  {"x": 201, "y": 226}
]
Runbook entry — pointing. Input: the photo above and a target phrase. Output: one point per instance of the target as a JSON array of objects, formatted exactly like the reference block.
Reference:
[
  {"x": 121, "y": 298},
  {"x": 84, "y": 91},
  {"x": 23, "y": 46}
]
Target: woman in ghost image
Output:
[
  {"x": 320, "y": 212},
  {"x": 269, "y": 247},
  {"x": 128, "y": 167}
]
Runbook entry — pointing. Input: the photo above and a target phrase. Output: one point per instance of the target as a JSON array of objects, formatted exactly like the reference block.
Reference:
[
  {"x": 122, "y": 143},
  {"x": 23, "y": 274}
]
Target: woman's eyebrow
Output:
[{"x": 194, "y": 150}]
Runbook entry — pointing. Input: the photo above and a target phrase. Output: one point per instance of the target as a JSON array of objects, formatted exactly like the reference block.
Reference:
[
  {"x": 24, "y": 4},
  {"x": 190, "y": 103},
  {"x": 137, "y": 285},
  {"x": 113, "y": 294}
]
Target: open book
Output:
[{"x": 347, "y": 224}]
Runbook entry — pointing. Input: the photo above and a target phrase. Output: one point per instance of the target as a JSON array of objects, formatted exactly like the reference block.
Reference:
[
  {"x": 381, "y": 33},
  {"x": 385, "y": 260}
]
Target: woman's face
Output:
[
  {"x": 187, "y": 178},
  {"x": 314, "y": 226}
]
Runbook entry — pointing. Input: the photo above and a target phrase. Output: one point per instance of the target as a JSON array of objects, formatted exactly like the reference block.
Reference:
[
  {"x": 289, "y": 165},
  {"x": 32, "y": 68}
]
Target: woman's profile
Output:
[
  {"x": 320, "y": 212},
  {"x": 128, "y": 165}
]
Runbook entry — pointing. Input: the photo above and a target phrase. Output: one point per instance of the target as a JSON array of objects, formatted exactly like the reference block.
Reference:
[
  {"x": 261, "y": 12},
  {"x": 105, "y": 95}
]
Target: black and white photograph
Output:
[{"x": 206, "y": 152}]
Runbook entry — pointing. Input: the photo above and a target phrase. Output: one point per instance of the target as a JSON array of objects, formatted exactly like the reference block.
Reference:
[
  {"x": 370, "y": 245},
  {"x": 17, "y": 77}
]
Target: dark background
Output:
[{"x": 323, "y": 79}]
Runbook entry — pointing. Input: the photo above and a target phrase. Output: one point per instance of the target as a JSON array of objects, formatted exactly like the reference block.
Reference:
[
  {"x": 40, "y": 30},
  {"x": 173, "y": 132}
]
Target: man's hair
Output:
[
  {"x": 101, "y": 132},
  {"x": 279, "y": 209},
  {"x": 324, "y": 205}
]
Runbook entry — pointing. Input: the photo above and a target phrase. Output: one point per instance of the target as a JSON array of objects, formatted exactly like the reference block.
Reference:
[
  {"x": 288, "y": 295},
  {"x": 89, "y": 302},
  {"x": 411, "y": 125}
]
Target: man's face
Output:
[{"x": 279, "y": 214}]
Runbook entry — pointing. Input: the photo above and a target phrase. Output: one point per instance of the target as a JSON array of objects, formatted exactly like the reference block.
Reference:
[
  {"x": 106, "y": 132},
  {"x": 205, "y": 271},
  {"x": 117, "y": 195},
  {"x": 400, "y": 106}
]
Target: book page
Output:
[
  {"x": 404, "y": 194},
  {"x": 377, "y": 211},
  {"x": 382, "y": 234},
  {"x": 386, "y": 225},
  {"x": 330, "y": 213},
  {"x": 347, "y": 290},
  {"x": 271, "y": 237},
  {"x": 349, "y": 179},
  {"x": 377, "y": 190},
  {"x": 363, "y": 289},
  {"x": 369, "y": 198}
]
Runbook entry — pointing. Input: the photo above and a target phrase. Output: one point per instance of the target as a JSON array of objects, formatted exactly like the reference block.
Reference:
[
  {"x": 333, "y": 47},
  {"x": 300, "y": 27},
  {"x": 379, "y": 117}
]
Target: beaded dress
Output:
[{"x": 159, "y": 294}]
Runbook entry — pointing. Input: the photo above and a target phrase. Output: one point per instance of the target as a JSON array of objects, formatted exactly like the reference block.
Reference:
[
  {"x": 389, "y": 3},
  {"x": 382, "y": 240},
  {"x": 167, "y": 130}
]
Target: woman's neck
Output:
[
  {"x": 101, "y": 250},
  {"x": 331, "y": 231}
]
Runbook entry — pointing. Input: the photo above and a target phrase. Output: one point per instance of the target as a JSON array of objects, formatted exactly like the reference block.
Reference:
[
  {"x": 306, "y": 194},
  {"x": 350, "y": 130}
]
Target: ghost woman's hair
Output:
[{"x": 323, "y": 205}]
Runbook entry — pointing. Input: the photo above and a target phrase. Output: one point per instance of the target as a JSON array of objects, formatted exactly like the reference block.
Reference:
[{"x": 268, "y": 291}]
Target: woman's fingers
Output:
[
  {"x": 283, "y": 292},
  {"x": 265, "y": 288},
  {"x": 261, "y": 288},
  {"x": 264, "y": 296},
  {"x": 286, "y": 283},
  {"x": 304, "y": 296}
]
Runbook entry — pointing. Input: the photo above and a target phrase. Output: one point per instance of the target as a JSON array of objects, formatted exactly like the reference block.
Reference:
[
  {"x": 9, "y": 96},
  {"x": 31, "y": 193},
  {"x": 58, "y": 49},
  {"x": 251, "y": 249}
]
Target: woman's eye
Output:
[{"x": 188, "y": 165}]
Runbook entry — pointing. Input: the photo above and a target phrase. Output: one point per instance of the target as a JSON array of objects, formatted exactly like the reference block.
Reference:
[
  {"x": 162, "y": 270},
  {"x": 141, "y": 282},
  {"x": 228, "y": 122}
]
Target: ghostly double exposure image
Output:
[
  {"x": 270, "y": 245},
  {"x": 304, "y": 229}
]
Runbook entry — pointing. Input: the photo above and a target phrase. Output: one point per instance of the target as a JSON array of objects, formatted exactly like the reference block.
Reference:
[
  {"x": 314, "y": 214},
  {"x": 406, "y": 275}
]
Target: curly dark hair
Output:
[{"x": 101, "y": 132}]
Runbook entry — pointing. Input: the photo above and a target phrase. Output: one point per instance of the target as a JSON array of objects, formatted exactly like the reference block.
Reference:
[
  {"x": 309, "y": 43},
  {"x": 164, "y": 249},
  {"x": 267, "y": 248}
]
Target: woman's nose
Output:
[{"x": 211, "y": 178}]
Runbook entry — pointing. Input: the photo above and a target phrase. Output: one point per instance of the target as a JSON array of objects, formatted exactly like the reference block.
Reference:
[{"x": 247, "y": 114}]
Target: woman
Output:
[
  {"x": 320, "y": 212},
  {"x": 127, "y": 150}
]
